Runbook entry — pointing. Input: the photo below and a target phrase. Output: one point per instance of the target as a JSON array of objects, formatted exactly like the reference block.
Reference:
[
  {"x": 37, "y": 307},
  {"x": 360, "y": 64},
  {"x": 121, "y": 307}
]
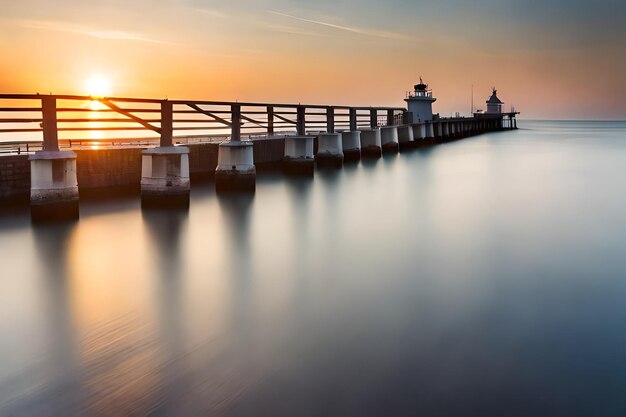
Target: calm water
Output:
[{"x": 480, "y": 278}]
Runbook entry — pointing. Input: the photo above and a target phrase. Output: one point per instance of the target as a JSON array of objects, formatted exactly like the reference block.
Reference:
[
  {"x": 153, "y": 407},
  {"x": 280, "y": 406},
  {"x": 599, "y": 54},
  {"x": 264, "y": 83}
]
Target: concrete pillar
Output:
[
  {"x": 235, "y": 167},
  {"x": 430, "y": 130},
  {"x": 437, "y": 129},
  {"x": 389, "y": 139},
  {"x": 351, "y": 145},
  {"x": 299, "y": 158},
  {"x": 405, "y": 137},
  {"x": 445, "y": 130},
  {"x": 329, "y": 150},
  {"x": 371, "y": 143},
  {"x": 53, "y": 181},
  {"x": 165, "y": 170},
  {"x": 452, "y": 130},
  {"x": 419, "y": 131},
  {"x": 165, "y": 176},
  {"x": 53, "y": 186}
]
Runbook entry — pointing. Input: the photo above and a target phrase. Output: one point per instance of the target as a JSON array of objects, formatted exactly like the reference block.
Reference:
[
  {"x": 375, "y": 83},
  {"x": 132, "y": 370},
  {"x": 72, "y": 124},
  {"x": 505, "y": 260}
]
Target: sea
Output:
[{"x": 482, "y": 277}]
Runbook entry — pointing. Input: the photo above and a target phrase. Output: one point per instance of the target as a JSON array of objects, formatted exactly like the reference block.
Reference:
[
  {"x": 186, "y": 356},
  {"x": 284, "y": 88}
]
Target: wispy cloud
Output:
[
  {"x": 209, "y": 12},
  {"x": 294, "y": 31},
  {"x": 59, "y": 26},
  {"x": 346, "y": 28}
]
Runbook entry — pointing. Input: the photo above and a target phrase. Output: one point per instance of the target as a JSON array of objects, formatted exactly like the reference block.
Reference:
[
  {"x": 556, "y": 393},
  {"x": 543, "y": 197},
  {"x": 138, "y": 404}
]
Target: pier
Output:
[{"x": 161, "y": 146}]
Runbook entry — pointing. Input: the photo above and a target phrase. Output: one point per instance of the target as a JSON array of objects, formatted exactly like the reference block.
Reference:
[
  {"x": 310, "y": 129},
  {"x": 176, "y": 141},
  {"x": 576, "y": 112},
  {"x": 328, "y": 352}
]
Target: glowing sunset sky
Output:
[{"x": 557, "y": 59}]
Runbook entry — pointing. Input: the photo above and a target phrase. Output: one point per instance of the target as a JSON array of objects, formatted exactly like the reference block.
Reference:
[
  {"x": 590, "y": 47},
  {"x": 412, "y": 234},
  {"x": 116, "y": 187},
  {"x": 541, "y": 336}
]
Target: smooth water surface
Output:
[{"x": 485, "y": 277}]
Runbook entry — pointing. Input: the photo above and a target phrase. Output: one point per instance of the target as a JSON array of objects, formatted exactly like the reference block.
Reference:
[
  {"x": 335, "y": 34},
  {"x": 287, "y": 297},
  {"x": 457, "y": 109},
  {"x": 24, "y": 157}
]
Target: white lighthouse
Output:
[
  {"x": 420, "y": 103},
  {"x": 494, "y": 105}
]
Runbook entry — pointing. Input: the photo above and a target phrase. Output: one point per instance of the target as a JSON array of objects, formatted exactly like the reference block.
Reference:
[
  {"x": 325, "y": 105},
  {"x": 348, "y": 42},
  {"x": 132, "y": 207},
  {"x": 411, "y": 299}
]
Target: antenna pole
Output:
[{"x": 472, "y": 113}]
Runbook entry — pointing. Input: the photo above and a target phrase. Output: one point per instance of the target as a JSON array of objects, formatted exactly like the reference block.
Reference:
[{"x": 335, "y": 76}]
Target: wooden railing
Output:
[{"x": 50, "y": 122}]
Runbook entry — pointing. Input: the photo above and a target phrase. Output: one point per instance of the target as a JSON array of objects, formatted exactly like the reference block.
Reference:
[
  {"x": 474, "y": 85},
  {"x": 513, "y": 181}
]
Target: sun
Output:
[{"x": 98, "y": 86}]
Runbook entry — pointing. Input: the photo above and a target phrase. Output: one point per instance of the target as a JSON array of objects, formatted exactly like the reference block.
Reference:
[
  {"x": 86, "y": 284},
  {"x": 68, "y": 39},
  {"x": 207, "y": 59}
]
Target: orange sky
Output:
[{"x": 342, "y": 52}]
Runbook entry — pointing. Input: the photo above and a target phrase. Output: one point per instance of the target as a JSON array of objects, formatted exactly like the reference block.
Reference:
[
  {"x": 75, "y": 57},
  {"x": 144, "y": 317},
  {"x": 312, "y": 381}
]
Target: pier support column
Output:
[
  {"x": 419, "y": 131},
  {"x": 438, "y": 130},
  {"x": 53, "y": 186},
  {"x": 371, "y": 143},
  {"x": 53, "y": 181},
  {"x": 329, "y": 150},
  {"x": 430, "y": 131},
  {"x": 351, "y": 145},
  {"x": 445, "y": 130},
  {"x": 299, "y": 159},
  {"x": 235, "y": 167},
  {"x": 405, "y": 137},
  {"x": 165, "y": 177},
  {"x": 165, "y": 170},
  {"x": 389, "y": 139}
]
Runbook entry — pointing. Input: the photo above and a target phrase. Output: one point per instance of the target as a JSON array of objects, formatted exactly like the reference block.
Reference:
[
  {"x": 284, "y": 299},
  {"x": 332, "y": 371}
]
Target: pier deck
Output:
[{"x": 109, "y": 134}]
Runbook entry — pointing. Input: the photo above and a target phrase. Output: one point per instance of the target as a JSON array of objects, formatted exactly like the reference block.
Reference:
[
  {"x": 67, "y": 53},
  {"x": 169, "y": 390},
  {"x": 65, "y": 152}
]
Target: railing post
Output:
[
  {"x": 330, "y": 119},
  {"x": 373, "y": 118},
  {"x": 235, "y": 110},
  {"x": 270, "y": 120},
  {"x": 301, "y": 121},
  {"x": 390, "y": 120},
  {"x": 353, "y": 123},
  {"x": 49, "y": 118},
  {"x": 167, "y": 124}
]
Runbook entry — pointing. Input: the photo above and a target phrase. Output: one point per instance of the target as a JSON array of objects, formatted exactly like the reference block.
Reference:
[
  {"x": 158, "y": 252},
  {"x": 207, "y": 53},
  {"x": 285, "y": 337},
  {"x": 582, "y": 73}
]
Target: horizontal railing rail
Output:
[{"x": 31, "y": 122}]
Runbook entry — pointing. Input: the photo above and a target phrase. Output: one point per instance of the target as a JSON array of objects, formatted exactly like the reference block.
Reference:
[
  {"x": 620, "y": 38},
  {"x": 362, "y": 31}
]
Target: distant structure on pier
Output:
[
  {"x": 494, "y": 104},
  {"x": 420, "y": 103}
]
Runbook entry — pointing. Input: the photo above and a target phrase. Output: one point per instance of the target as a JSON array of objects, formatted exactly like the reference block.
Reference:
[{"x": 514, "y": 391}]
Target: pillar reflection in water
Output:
[
  {"x": 60, "y": 371},
  {"x": 165, "y": 228}
]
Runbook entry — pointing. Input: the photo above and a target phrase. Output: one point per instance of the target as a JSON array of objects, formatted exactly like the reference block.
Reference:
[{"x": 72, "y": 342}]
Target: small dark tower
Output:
[{"x": 494, "y": 105}]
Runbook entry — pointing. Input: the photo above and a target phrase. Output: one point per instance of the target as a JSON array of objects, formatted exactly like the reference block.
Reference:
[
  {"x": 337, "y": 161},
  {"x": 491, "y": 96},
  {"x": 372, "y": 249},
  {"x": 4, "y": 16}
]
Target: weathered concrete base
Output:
[
  {"x": 371, "y": 143},
  {"x": 54, "y": 186},
  {"x": 165, "y": 177},
  {"x": 351, "y": 155},
  {"x": 299, "y": 166},
  {"x": 351, "y": 145},
  {"x": 390, "y": 147},
  {"x": 158, "y": 201},
  {"x": 405, "y": 146},
  {"x": 67, "y": 210},
  {"x": 328, "y": 160},
  {"x": 371, "y": 152},
  {"x": 429, "y": 131},
  {"x": 405, "y": 137},
  {"x": 227, "y": 181},
  {"x": 235, "y": 168},
  {"x": 298, "y": 159},
  {"x": 424, "y": 143},
  {"x": 389, "y": 139},
  {"x": 329, "y": 151}
]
